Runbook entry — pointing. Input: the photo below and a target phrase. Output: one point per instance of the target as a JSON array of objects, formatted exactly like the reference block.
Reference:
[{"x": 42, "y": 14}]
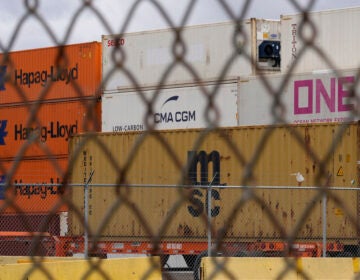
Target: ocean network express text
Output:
[{"x": 310, "y": 96}]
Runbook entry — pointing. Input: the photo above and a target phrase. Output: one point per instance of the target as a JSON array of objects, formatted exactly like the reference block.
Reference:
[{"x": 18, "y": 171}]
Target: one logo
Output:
[
  {"x": 2, "y": 76},
  {"x": 3, "y": 132},
  {"x": 172, "y": 98}
]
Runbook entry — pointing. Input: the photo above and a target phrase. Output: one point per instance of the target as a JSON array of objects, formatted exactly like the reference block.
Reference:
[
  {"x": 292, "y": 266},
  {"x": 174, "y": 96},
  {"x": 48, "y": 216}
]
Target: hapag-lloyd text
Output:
[
  {"x": 54, "y": 130},
  {"x": 43, "y": 189},
  {"x": 54, "y": 74}
]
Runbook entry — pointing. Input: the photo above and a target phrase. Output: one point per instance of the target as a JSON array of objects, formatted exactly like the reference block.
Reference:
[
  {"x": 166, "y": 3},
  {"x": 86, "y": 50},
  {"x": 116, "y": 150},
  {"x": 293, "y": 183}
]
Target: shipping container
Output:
[
  {"x": 222, "y": 158},
  {"x": 209, "y": 49},
  {"x": 39, "y": 74},
  {"x": 48, "y": 134},
  {"x": 172, "y": 108},
  {"x": 25, "y": 244},
  {"x": 32, "y": 186},
  {"x": 31, "y": 223},
  {"x": 334, "y": 33},
  {"x": 321, "y": 97}
]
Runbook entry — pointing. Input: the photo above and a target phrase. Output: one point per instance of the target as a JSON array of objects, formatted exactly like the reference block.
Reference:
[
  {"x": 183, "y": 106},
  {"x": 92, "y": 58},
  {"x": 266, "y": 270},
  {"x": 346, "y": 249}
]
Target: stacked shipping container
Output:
[
  {"x": 44, "y": 100},
  {"x": 302, "y": 98},
  {"x": 211, "y": 51},
  {"x": 208, "y": 50},
  {"x": 213, "y": 160},
  {"x": 314, "y": 92},
  {"x": 333, "y": 33}
]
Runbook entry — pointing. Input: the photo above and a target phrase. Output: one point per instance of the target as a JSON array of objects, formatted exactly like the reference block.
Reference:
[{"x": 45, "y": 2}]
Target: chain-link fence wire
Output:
[{"x": 179, "y": 50}]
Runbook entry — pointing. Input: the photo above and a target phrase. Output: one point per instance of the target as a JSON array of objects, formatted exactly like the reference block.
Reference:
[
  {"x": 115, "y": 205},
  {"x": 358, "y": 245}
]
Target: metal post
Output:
[
  {"x": 209, "y": 215},
  {"x": 324, "y": 225},
  {"x": 86, "y": 215}
]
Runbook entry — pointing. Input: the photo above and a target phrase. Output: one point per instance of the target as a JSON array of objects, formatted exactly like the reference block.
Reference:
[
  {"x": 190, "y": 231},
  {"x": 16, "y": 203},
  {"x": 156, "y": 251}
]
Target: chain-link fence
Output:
[{"x": 237, "y": 139}]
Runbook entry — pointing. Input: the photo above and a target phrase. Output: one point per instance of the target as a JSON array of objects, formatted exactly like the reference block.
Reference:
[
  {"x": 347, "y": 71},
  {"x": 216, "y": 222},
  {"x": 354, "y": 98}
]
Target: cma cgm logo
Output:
[
  {"x": 3, "y": 132},
  {"x": 174, "y": 116},
  {"x": 2, "y": 77}
]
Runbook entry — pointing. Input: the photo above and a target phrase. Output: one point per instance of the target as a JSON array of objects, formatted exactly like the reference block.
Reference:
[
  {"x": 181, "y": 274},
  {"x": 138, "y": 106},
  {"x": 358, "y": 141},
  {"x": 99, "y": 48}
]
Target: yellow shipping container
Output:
[{"x": 280, "y": 165}]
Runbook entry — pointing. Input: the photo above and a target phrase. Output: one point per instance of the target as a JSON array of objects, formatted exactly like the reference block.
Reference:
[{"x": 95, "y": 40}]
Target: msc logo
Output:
[
  {"x": 2, "y": 77},
  {"x": 200, "y": 201},
  {"x": 3, "y": 132}
]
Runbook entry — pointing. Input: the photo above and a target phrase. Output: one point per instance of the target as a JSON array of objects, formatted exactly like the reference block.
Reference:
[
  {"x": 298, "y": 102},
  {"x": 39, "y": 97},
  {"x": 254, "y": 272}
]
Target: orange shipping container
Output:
[
  {"x": 32, "y": 195},
  {"x": 36, "y": 74},
  {"x": 49, "y": 134}
]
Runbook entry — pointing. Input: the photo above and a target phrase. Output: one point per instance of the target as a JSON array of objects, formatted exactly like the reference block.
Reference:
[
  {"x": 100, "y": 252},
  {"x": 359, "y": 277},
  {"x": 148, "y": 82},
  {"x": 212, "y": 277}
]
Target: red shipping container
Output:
[
  {"x": 39, "y": 74},
  {"x": 30, "y": 189},
  {"x": 30, "y": 223},
  {"x": 49, "y": 134}
]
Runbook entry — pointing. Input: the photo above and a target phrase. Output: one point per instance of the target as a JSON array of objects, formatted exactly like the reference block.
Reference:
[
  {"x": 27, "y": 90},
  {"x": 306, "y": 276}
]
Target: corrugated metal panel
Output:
[
  {"x": 336, "y": 36},
  {"x": 31, "y": 223},
  {"x": 32, "y": 197},
  {"x": 33, "y": 74},
  {"x": 305, "y": 98},
  {"x": 55, "y": 122},
  {"x": 148, "y": 56},
  {"x": 280, "y": 158},
  {"x": 172, "y": 108}
]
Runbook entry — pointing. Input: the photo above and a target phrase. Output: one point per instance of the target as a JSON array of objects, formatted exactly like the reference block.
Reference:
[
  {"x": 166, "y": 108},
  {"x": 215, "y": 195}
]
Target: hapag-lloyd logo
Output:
[
  {"x": 309, "y": 95},
  {"x": 2, "y": 77},
  {"x": 53, "y": 74},
  {"x": 3, "y": 131}
]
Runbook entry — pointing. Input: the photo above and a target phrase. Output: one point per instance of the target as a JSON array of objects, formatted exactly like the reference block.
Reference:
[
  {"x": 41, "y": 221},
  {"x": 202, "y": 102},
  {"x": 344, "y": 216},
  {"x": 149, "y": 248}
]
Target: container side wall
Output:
[
  {"x": 303, "y": 98},
  {"x": 173, "y": 108},
  {"x": 34, "y": 75},
  {"x": 46, "y": 132},
  {"x": 286, "y": 151},
  {"x": 32, "y": 196},
  {"x": 334, "y": 34},
  {"x": 209, "y": 49}
]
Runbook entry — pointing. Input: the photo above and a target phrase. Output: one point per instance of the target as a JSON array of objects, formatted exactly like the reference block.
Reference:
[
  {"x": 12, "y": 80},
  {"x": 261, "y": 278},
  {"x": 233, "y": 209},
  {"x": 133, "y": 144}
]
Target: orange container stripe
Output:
[{"x": 31, "y": 72}]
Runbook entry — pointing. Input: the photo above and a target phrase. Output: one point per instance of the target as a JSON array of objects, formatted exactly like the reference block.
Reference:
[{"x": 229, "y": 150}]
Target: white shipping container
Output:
[
  {"x": 208, "y": 50},
  {"x": 318, "y": 97},
  {"x": 173, "y": 108},
  {"x": 336, "y": 34}
]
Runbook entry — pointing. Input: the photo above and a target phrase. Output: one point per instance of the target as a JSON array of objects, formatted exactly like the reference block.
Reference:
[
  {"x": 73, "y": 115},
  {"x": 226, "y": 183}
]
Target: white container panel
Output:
[
  {"x": 173, "y": 108},
  {"x": 209, "y": 49},
  {"x": 337, "y": 35},
  {"x": 306, "y": 98}
]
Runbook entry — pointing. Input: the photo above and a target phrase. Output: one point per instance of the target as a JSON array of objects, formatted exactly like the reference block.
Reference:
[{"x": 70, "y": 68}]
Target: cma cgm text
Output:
[{"x": 54, "y": 74}]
